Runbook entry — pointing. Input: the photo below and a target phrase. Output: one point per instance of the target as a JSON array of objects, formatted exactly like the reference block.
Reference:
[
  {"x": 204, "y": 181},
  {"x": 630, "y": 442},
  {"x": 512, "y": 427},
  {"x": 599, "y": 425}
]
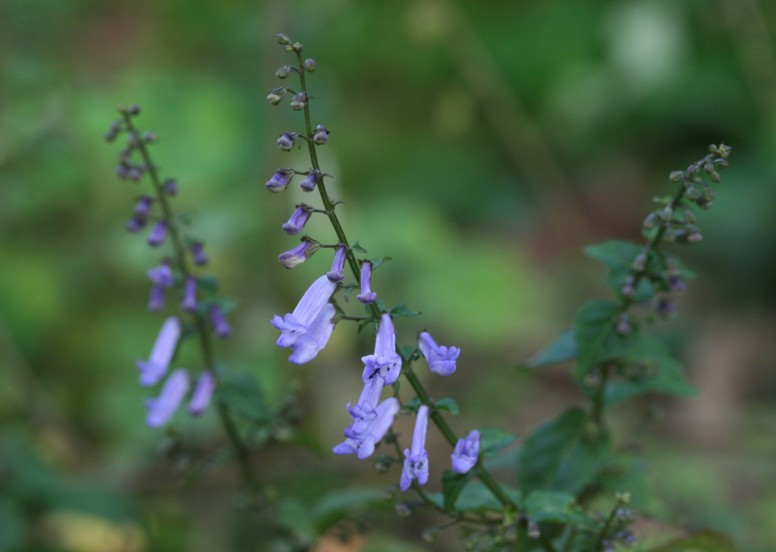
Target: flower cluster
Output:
[
  {"x": 307, "y": 329},
  {"x": 197, "y": 303}
]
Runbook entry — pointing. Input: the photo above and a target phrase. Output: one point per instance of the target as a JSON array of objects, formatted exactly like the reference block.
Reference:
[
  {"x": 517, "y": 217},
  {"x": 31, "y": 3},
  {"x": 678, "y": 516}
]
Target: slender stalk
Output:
[{"x": 203, "y": 332}]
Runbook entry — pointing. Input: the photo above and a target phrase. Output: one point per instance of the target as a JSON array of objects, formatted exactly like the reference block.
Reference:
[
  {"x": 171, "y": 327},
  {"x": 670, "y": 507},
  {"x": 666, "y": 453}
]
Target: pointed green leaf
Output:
[
  {"x": 596, "y": 337},
  {"x": 562, "y": 349},
  {"x": 493, "y": 439},
  {"x": 452, "y": 486},
  {"x": 447, "y": 404}
]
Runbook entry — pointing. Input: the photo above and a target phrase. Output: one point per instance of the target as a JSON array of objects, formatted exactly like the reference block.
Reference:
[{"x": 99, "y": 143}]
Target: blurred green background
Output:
[{"x": 480, "y": 144}]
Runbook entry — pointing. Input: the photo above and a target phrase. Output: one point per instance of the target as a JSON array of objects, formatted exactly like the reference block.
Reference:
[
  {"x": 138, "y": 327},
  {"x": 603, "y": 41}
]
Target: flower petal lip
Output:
[{"x": 466, "y": 452}]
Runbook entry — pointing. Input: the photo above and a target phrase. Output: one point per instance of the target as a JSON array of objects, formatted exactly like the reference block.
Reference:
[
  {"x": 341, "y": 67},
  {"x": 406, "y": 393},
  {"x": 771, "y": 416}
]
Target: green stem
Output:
[
  {"x": 487, "y": 479},
  {"x": 203, "y": 332}
]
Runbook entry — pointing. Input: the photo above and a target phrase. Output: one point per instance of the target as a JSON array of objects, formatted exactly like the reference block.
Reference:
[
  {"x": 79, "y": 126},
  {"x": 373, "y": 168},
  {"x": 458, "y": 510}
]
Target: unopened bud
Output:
[
  {"x": 430, "y": 534},
  {"x": 310, "y": 66},
  {"x": 282, "y": 38},
  {"x": 640, "y": 262},
  {"x": 133, "y": 109},
  {"x": 666, "y": 214},
  {"x": 676, "y": 176},
  {"x": 299, "y": 101},
  {"x": 283, "y": 72},
  {"x": 624, "y": 324},
  {"x": 649, "y": 221},
  {"x": 297, "y": 46},
  {"x": 403, "y": 510},
  {"x": 321, "y": 135},
  {"x": 628, "y": 289},
  {"x": 724, "y": 151},
  {"x": 275, "y": 96},
  {"x": 150, "y": 137},
  {"x": 113, "y": 131},
  {"x": 286, "y": 141}
]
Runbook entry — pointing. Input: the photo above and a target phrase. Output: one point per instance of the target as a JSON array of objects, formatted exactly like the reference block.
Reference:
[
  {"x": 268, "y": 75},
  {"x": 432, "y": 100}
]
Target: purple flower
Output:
[
  {"x": 309, "y": 182},
  {"x": 161, "y": 409},
  {"x": 385, "y": 362},
  {"x": 200, "y": 399},
  {"x": 198, "y": 252},
  {"x": 135, "y": 224},
  {"x": 143, "y": 206},
  {"x": 337, "y": 265},
  {"x": 158, "y": 234},
  {"x": 299, "y": 254},
  {"x": 220, "y": 325},
  {"x": 363, "y": 412},
  {"x": 152, "y": 370},
  {"x": 321, "y": 135},
  {"x": 441, "y": 359},
  {"x": 380, "y": 421},
  {"x": 307, "y": 330},
  {"x": 466, "y": 451},
  {"x": 286, "y": 141},
  {"x": 298, "y": 219},
  {"x": 170, "y": 186},
  {"x": 279, "y": 180},
  {"x": 367, "y": 295},
  {"x": 162, "y": 278},
  {"x": 189, "y": 302},
  {"x": 416, "y": 458}
]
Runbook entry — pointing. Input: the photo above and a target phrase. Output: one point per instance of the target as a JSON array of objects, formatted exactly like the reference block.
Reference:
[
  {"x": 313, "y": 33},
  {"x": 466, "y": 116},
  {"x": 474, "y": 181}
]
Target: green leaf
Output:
[
  {"x": 702, "y": 541},
  {"x": 649, "y": 368},
  {"x": 618, "y": 257},
  {"x": 554, "y": 507},
  {"x": 562, "y": 349},
  {"x": 476, "y": 497},
  {"x": 447, "y": 404},
  {"x": 243, "y": 396},
  {"x": 357, "y": 247},
  {"x": 493, "y": 439},
  {"x": 565, "y": 454},
  {"x": 338, "y": 505},
  {"x": 402, "y": 310},
  {"x": 452, "y": 486},
  {"x": 595, "y": 335},
  {"x": 378, "y": 261}
]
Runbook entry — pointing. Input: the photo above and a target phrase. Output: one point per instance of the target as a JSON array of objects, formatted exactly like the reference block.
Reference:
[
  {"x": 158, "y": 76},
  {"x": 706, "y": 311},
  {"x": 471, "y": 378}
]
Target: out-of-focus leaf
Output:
[
  {"x": 564, "y": 454},
  {"x": 452, "y": 486},
  {"x": 403, "y": 310},
  {"x": 447, "y": 404},
  {"x": 12, "y": 527},
  {"x": 242, "y": 395},
  {"x": 476, "y": 497},
  {"x": 494, "y": 439},
  {"x": 562, "y": 349},
  {"x": 338, "y": 505},
  {"x": 595, "y": 335},
  {"x": 555, "y": 507},
  {"x": 702, "y": 541},
  {"x": 618, "y": 257}
]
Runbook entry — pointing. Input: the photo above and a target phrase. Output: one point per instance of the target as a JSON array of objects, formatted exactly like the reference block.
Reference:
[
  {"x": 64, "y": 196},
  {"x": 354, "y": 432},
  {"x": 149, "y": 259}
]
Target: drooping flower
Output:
[
  {"x": 363, "y": 412},
  {"x": 321, "y": 135},
  {"x": 198, "y": 252},
  {"x": 367, "y": 295},
  {"x": 309, "y": 182},
  {"x": 299, "y": 254},
  {"x": 200, "y": 399},
  {"x": 380, "y": 421},
  {"x": 466, "y": 451},
  {"x": 279, "y": 180},
  {"x": 338, "y": 265},
  {"x": 143, "y": 206},
  {"x": 416, "y": 458},
  {"x": 158, "y": 234},
  {"x": 441, "y": 359},
  {"x": 220, "y": 325},
  {"x": 161, "y": 278},
  {"x": 152, "y": 370},
  {"x": 162, "y": 408},
  {"x": 385, "y": 362},
  {"x": 189, "y": 302},
  {"x": 307, "y": 329},
  {"x": 298, "y": 219},
  {"x": 286, "y": 141}
]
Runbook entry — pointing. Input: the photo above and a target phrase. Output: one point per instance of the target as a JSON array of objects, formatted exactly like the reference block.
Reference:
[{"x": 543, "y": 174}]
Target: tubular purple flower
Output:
[
  {"x": 198, "y": 252},
  {"x": 162, "y": 278},
  {"x": 200, "y": 399},
  {"x": 161, "y": 409},
  {"x": 466, "y": 451},
  {"x": 367, "y": 295},
  {"x": 143, "y": 206},
  {"x": 364, "y": 445},
  {"x": 338, "y": 265},
  {"x": 441, "y": 359},
  {"x": 170, "y": 187},
  {"x": 307, "y": 330},
  {"x": 220, "y": 325},
  {"x": 309, "y": 182},
  {"x": 279, "y": 180},
  {"x": 298, "y": 219},
  {"x": 158, "y": 234},
  {"x": 363, "y": 413},
  {"x": 286, "y": 141},
  {"x": 299, "y": 254},
  {"x": 416, "y": 458},
  {"x": 152, "y": 370},
  {"x": 321, "y": 135},
  {"x": 189, "y": 302},
  {"x": 135, "y": 224},
  {"x": 385, "y": 362}
]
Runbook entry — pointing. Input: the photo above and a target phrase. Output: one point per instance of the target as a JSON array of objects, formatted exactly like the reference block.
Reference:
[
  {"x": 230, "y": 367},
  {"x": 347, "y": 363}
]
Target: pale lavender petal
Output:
[
  {"x": 367, "y": 295},
  {"x": 279, "y": 180},
  {"x": 161, "y": 409},
  {"x": 314, "y": 299},
  {"x": 299, "y": 254},
  {"x": 189, "y": 302},
  {"x": 441, "y": 360},
  {"x": 154, "y": 368},
  {"x": 318, "y": 333},
  {"x": 309, "y": 182},
  {"x": 466, "y": 452},
  {"x": 200, "y": 399},
  {"x": 385, "y": 362},
  {"x": 220, "y": 325},
  {"x": 298, "y": 219},
  {"x": 416, "y": 458},
  {"x": 338, "y": 265}
]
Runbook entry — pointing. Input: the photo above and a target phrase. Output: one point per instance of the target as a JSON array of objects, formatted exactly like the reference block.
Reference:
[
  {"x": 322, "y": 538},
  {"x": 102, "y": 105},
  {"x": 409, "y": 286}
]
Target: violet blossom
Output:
[
  {"x": 370, "y": 421},
  {"x": 220, "y": 325},
  {"x": 466, "y": 452},
  {"x": 441, "y": 359},
  {"x": 200, "y": 399},
  {"x": 338, "y": 265},
  {"x": 385, "y": 362},
  {"x": 189, "y": 302},
  {"x": 307, "y": 329},
  {"x": 299, "y": 254},
  {"x": 367, "y": 295},
  {"x": 279, "y": 180},
  {"x": 161, "y": 409},
  {"x": 298, "y": 219},
  {"x": 152, "y": 370},
  {"x": 161, "y": 278},
  {"x": 309, "y": 182},
  {"x": 158, "y": 234},
  {"x": 416, "y": 458},
  {"x": 198, "y": 252}
]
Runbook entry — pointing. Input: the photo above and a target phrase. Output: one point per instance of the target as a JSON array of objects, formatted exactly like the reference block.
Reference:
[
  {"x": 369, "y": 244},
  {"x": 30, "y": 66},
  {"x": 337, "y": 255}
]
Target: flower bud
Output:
[
  {"x": 275, "y": 96},
  {"x": 640, "y": 262},
  {"x": 113, "y": 131},
  {"x": 310, "y": 66},
  {"x": 283, "y": 72},
  {"x": 133, "y": 109},
  {"x": 321, "y": 135},
  {"x": 286, "y": 141},
  {"x": 309, "y": 182},
  {"x": 299, "y": 101},
  {"x": 676, "y": 176},
  {"x": 403, "y": 510},
  {"x": 533, "y": 530},
  {"x": 297, "y": 46},
  {"x": 282, "y": 38},
  {"x": 279, "y": 180},
  {"x": 170, "y": 187},
  {"x": 150, "y": 137}
]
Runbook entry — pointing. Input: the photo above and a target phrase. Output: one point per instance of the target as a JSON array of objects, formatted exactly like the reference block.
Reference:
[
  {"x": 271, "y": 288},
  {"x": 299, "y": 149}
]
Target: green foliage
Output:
[
  {"x": 556, "y": 507},
  {"x": 618, "y": 257},
  {"x": 494, "y": 439},
  {"x": 448, "y": 405},
  {"x": 564, "y": 455},
  {"x": 452, "y": 486},
  {"x": 702, "y": 541},
  {"x": 562, "y": 349},
  {"x": 595, "y": 336}
]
